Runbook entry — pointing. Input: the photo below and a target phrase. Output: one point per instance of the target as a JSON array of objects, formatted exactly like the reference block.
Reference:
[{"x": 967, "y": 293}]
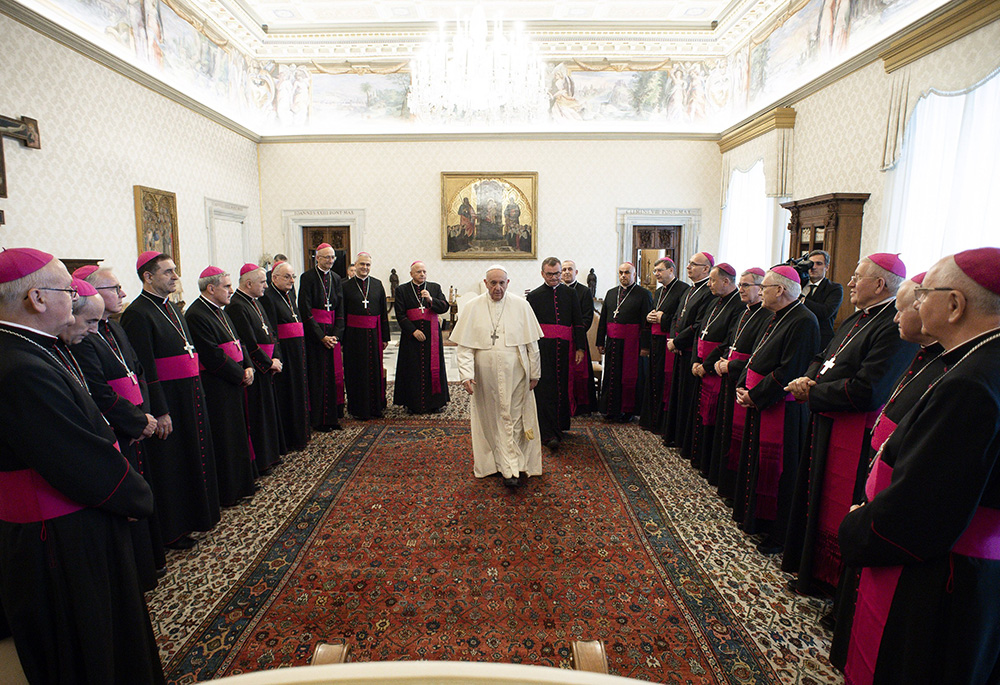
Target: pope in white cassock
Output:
[{"x": 498, "y": 363}]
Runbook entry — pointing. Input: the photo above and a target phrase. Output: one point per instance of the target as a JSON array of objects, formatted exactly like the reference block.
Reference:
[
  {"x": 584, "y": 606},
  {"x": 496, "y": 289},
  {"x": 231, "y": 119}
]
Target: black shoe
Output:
[
  {"x": 327, "y": 427},
  {"x": 626, "y": 418},
  {"x": 553, "y": 444},
  {"x": 511, "y": 482},
  {"x": 183, "y": 542},
  {"x": 793, "y": 587},
  {"x": 770, "y": 547},
  {"x": 829, "y": 622}
]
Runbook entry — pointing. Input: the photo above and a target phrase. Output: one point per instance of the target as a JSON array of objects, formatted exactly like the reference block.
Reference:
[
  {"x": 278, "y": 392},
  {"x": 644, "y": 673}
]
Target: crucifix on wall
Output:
[{"x": 23, "y": 129}]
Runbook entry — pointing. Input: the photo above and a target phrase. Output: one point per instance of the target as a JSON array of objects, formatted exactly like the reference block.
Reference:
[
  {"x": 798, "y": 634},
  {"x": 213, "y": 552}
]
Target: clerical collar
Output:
[
  {"x": 249, "y": 297},
  {"x": 702, "y": 281},
  {"x": 208, "y": 302},
  {"x": 977, "y": 336},
  {"x": 154, "y": 297},
  {"x": 26, "y": 328},
  {"x": 878, "y": 305},
  {"x": 323, "y": 271}
]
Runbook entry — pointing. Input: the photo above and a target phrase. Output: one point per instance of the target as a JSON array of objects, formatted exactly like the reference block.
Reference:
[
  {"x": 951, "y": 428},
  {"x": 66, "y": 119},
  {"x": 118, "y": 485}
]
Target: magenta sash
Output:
[
  {"x": 837, "y": 492},
  {"x": 711, "y": 385},
  {"x": 127, "y": 390},
  {"x": 177, "y": 368},
  {"x": 233, "y": 350},
  {"x": 770, "y": 453},
  {"x": 268, "y": 349},
  {"x": 739, "y": 422},
  {"x": 287, "y": 331},
  {"x": 417, "y": 314},
  {"x": 323, "y": 316},
  {"x": 629, "y": 334},
  {"x": 668, "y": 375},
  {"x": 28, "y": 498}
]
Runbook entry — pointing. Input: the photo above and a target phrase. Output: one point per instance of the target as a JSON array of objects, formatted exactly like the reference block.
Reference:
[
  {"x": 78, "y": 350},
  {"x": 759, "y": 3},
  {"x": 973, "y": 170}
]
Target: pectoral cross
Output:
[
  {"x": 264, "y": 326},
  {"x": 615, "y": 314},
  {"x": 131, "y": 376},
  {"x": 704, "y": 332},
  {"x": 327, "y": 305},
  {"x": 494, "y": 337},
  {"x": 828, "y": 364},
  {"x": 189, "y": 348},
  {"x": 365, "y": 303},
  {"x": 295, "y": 317},
  {"x": 421, "y": 306}
]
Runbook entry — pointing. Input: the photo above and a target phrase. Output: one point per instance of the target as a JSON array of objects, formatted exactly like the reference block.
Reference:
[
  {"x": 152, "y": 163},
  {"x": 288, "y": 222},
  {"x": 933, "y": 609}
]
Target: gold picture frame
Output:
[
  {"x": 156, "y": 222},
  {"x": 489, "y": 215}
]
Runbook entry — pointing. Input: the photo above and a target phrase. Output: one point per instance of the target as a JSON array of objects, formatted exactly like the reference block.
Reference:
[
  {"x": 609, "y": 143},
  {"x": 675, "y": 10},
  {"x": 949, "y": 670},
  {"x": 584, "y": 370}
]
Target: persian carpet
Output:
[{"x": 403, "y": 553}]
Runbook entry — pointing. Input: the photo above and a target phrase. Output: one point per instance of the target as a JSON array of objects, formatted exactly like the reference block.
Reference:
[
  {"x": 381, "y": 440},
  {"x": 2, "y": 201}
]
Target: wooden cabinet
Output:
[{"x": 833, "y": 223}]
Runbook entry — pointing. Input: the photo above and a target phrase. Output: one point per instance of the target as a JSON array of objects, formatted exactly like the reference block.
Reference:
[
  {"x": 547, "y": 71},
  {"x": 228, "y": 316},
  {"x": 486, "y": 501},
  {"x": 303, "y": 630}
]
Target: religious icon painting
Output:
[
  {"x": 489, "y": 215},
  {"x": 156, "y": 225}
]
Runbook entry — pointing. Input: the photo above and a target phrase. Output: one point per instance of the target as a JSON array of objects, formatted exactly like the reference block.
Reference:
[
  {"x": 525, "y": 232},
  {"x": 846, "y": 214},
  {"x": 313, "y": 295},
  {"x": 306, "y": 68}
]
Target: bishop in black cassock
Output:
[
  {"x": 261, "y": 343},
  {"x": 775, "y": 423},
  {"x": 224, "y": 376},
  {"x": 118, "y": 386},
  {"x": 291, "y": 386},
  {"x": 557, "y": 310},
  {"x": 853, "y": 378},
  {"x": 68, "y": 580},
  {"x": 666, "y": 301},
  {"x": 714, "y": 328},
  {"x": 181, "y": 460},
  {"x": 929, "y": 538},
  {"x": 321, "y": 308},
  {"x": 365, "y": 336},
  {"x": 421, "y": 377},
  {"x": 582, "y": 376},
  {"x": 623, "y": 339},
  {"x": 731, "y": 418},
  {"x": 682, "y": 400}
]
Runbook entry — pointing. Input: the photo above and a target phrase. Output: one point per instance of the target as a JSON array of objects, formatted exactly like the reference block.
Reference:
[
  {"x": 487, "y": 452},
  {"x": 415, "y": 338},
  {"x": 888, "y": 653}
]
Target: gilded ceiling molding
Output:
[
  {"x": 361, "y": 69},
  {"x": 607, "y": 65},
  {"x": 946, "y": 28},
  {"x": 189, "y": 15},
  {"x": 779, "y": 117}
]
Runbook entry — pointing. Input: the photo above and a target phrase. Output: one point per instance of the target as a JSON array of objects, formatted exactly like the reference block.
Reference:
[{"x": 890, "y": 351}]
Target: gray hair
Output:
[
  {"x": 203, "y": 283},
  {"x": 792, "y": 287},
  {"x": 246, "y": 277},
  {"x": 978, "y": 298},
  {"x": 757, "y": 278},
  {"x": 81, "y": 302},
  {"x": 14, "y": 291},
  {"x": 891, "y": 280}
]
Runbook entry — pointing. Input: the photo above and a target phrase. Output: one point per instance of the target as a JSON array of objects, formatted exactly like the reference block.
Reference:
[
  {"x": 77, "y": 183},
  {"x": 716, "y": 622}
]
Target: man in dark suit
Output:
[{"x": 821, "y": 295}]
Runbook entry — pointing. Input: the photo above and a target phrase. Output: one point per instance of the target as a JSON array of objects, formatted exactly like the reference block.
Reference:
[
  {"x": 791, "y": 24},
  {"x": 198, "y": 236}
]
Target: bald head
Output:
[{"x": 418, "y": 273}]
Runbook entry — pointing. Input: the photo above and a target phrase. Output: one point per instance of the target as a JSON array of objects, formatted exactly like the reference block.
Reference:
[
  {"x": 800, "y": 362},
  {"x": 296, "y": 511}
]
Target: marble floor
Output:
[{"x": 392, "y": 351}]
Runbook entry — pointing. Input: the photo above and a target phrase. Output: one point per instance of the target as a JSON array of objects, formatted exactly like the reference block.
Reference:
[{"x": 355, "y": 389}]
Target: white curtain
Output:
[
  {"x": 751, "y": 222},
  {"x": 942, "y": 190}
]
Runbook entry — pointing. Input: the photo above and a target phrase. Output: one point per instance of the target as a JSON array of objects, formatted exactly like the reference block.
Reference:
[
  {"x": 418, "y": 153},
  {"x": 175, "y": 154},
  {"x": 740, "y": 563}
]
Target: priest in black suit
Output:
[
  {"x": 225, "y": 373},
  {"x": 584, "y": 383},
  {"x": 365, "y": 337},
  {"x": 666, "y": 301},
  {"x": 623, "y": 339},
  {"x": 118, "y": 385},
  {"x": 557, "y": 310},
  {"x": 709, "y": 348},
  {"x": 321, "y": 309},
  {"x": 421, "y": 377},
  {"x": 821, "y": 295},
  {"x": 67, "y": 573},
  {"x": 261, "y": 344},
  {"x": 775, "y": 423},
  {"x": 845, "y": 387},
  {"x": 291, "y": 386},
  {"x": 676, "y": 420},
  {"x": 181, "y": 455}
]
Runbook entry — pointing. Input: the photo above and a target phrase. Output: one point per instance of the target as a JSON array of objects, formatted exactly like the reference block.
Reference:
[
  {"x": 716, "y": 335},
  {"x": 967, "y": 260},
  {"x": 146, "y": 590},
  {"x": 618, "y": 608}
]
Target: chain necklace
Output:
[
  {"x": 771, "y": 329},
  {"x": 496, "y": 324},
  {"x": 220, "y": 315},
  {"x": 115, "y": 351},
  {"x": 286, "y": 298},
  {"x": 188, "y": 347},
  {"x": 416, "y": 293},
  {"x": 716, "y": 313},
  {"x": 364, "y": 293},
  {"x": 665, "y": 292},
  {"x": 691, "y": 293},
  {"x": 257, "y": 310},
  {"x": 621, "y": 300},
  {"x": 63, "y": 364},
  {"x": 931, "y": 386},
  {"x": 327, "y": 289},
  {"x": 832, "y": 361},
  {"x": 743, "y": 324}
]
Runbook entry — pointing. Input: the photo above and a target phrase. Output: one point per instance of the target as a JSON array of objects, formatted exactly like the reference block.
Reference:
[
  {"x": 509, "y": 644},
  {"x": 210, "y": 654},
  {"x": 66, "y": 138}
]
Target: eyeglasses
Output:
[
  {"x": 918, "y": 293},
  {"x": 856, "y": 277},
  {"x": 73, "y": 294},
  {"x": 696, "y": 264},
  {"x": 744, "y": 286},
  {"x": 116, "y": 288},
  {"x": 770, "y": 285}
]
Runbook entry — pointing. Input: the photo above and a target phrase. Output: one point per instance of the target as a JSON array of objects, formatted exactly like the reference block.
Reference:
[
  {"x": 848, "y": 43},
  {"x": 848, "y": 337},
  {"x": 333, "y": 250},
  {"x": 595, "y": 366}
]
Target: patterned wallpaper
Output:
[
  {"x": 101, "y": 134},
  {"x": 580, "y": 186}
]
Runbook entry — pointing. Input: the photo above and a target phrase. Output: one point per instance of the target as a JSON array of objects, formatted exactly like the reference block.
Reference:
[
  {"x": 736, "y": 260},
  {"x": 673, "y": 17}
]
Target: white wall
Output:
[
  {"x": 580, "y": 186},
  {"x": 102, "y": 133}
]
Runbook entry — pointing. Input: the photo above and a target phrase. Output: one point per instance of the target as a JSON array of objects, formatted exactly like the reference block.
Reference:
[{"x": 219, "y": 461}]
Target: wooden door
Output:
[
  {"x": 339, "y": 237},
  {"x": 650, "y": 243}
]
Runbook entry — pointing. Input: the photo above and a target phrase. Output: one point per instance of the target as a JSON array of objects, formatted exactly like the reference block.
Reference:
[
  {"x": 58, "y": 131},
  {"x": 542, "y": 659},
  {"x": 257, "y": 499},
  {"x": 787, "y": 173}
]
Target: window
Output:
[{"x": 752, "y": 222}]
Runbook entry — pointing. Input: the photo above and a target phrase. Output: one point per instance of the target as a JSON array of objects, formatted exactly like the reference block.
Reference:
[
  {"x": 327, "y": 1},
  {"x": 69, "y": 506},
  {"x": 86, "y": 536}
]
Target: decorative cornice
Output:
[
  {"x": 779, "y": 117},
  {"x": 954, "y": 23},
  {"x": 478, "y": 135}
]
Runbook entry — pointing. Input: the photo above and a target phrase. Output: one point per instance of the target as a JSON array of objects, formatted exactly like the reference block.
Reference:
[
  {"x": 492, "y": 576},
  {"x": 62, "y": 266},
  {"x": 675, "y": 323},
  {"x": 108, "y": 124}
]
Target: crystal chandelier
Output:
[{"x": 496, "y": 79}]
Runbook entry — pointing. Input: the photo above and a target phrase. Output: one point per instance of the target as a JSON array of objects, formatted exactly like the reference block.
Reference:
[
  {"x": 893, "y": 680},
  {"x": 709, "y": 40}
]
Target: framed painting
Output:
[
  {"x": 489, "y": 215},
  {"x": 156, "y": 222}
]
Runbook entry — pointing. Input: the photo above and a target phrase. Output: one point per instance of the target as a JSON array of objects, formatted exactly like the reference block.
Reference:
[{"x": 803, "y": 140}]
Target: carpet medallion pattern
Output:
[{"x": 402, "y": 552}]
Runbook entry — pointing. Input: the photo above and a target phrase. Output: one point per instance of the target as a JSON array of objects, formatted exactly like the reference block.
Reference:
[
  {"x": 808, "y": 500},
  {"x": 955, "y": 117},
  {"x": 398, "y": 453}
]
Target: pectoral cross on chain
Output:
[
  {"x": 365, "y": 302},
  {"x": 264, "y": 327},
  {"x": 327, "y": 305},
  {"x": 704, "y": 332},
  {"x": 828, "y": 364},
  {"x": 494, "y": 337},
  {"x": 131, "y": 377},
  {"x": 189, "y": 348}
]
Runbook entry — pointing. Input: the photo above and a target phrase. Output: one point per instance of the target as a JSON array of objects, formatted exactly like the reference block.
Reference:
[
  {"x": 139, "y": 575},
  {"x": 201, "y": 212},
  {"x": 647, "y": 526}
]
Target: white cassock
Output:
[{"x": 505, "y": 435}]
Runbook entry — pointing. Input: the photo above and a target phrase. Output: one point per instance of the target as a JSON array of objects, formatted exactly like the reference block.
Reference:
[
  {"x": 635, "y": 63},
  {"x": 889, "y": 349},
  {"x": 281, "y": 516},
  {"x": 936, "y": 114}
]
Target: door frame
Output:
[
  {"x": 688, "y": 219},
  {"x": 294, "y": 220}
]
